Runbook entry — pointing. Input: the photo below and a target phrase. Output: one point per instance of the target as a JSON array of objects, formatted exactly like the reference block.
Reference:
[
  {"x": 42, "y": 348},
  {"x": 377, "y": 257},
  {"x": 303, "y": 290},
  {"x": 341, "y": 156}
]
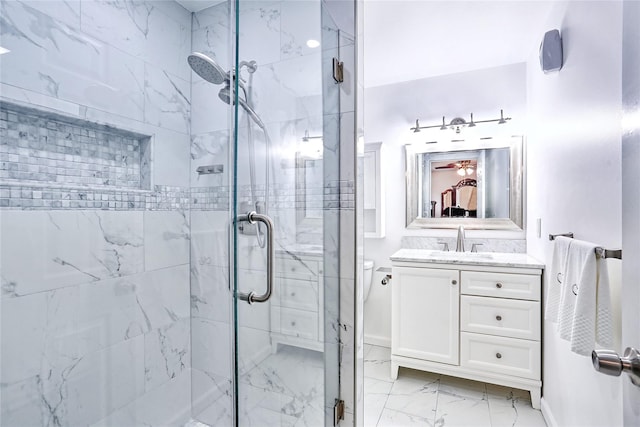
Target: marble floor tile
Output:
[
  {"x": 427, "y": 399},
  {"x": 284, "y": 389},
  {"x": 415, "y": 394},
  {"x": 391, "y": 418},
  {"x": 377, "y": 364},
  {"x": 376, "y": 394}
]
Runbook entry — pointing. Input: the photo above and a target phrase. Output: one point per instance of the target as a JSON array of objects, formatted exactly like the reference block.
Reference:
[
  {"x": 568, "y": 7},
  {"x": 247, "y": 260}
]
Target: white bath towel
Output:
[
  {"x": 584, "y": 314},
  {"x": 556, "y": 277}
]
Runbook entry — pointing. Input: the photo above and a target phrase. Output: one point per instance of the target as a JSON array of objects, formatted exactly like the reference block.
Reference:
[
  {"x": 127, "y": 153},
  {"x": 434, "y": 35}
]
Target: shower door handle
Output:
[{"x": 252, "y": 218}]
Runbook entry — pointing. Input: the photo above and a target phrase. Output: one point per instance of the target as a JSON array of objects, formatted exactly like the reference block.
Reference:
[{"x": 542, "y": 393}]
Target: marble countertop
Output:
[{"x": 488, "y": 259}]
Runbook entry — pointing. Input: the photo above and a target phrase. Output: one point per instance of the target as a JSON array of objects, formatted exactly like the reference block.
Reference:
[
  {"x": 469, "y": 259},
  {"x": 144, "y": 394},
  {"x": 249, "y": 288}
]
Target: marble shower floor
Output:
[{"x": 419, "y": 398}]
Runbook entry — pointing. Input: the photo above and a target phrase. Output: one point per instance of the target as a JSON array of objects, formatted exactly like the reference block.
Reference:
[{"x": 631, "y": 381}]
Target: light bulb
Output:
[
  {"x": 461, "y": 172},
  {"x": 469, "y": 171}
]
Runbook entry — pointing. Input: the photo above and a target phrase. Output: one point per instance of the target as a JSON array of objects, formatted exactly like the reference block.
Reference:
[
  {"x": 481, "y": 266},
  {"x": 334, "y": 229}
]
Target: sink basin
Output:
[{"x": 451, "y": 255}]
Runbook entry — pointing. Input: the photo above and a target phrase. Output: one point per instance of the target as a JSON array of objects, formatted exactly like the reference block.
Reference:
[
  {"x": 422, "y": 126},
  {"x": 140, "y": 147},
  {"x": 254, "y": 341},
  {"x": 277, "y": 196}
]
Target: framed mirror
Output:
[{"x": 479, "y": 186}]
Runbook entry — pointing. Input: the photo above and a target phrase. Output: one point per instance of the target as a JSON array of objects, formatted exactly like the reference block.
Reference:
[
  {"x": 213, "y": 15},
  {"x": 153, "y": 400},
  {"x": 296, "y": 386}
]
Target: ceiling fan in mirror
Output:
[{"x": 464, "y": 167}]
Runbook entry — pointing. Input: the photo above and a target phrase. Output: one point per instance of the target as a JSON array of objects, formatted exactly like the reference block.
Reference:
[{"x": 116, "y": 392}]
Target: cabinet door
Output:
[{"x": 425, "y": 307}]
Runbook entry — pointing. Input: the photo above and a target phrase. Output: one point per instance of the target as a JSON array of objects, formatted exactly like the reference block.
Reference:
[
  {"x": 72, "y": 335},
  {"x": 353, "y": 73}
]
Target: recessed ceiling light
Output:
[
  {"x": 4, "y": 50},
  {"x": 313, "y": 43}
]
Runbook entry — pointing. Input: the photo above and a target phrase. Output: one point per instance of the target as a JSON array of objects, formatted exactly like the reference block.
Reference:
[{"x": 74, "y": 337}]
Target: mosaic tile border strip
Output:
[
  {"x": 334, "y": 195},
  {"x": 52, "y": 198}
]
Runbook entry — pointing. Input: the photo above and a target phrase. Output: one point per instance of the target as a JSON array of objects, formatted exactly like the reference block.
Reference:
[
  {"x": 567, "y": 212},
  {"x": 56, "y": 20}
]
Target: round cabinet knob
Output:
[
  {"x": 454, "y": 282},
  {"x": 498, "y": 355},
  {"x": 498, "y": 318},
  {"x": 499, "y": 285}
]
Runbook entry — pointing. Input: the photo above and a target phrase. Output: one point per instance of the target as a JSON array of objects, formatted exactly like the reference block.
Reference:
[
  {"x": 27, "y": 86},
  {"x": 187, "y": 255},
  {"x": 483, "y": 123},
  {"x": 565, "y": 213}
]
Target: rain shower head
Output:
[{"x": 207, "y": 68}]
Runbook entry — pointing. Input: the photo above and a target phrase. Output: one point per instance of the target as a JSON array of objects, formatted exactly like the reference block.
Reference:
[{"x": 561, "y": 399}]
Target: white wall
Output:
[
  {"x": 574, "y": 184},
  {"x": 390, "y": 111}
]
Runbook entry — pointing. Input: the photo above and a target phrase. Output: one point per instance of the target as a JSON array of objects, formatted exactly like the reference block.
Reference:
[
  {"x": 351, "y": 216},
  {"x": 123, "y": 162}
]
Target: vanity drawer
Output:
[
  {"x": 510, "y": 356},
  {"x": 501, "y": 285},
  {"x": 296, "y": 323},
  {"x": 296, "y": 293},
  {"x": 288, "y": 266},
  {"x": 498, "y": 316}
]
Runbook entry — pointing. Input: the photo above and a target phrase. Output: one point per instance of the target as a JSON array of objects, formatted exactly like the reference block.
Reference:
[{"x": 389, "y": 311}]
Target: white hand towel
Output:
[
  {"x": 578, "y": 254},
  {"x": 592, "y": 320},
  {"x": 584, "y": 315},
  {"x": 555, "y": 280}
]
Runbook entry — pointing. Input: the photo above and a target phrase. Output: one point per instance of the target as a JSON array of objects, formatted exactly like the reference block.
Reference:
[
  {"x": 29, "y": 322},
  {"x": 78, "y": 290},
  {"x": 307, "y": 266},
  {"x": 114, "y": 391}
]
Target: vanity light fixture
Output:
[{"x": 458, "y": 123}]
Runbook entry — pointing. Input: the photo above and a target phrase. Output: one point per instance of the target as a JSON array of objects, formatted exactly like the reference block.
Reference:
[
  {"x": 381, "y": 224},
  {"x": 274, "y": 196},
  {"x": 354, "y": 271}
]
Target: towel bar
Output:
[
  {"x": 600, "y": 252},
  {"x": 553, "y": 236}
]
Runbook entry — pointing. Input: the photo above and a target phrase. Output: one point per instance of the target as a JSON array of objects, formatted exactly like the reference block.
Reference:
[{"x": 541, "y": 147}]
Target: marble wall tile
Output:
[
  {"x": 23, "y": 331},
  {"x": 67, "y": 11},
  {"x": 90, "y": 317},
  {"x": 167, "y": 99},
  {"x": 211, "y": 398},
  {"x": 208, "y": 112},
  {"x": 170, "y": 162},
  {"x": 61, "y": 387},
  {"x": 154, "y": 31},
  {"x": 210, "y": 34},
  {"x": 20, "y": 403},
  {"x": 72, "y": 322},
  {"x": 167, "y": 405},
  {"x": 300, "y": 22},
  {"x": 210, "y": 149},
  {"x": 254, "y": 345},
  {"x": 163, "y": 296},
  {"x": 167, "y": 353},
  {"x": 166, "y": 237},
  {"x": 488, "y": 245},
  {"x": 48, "y": 250},
  {"x": 260, "y": 31},
  {"x": 22, "y": 96},
  {"x": 210, "y": 238},
  {"x": 53, "y": 58},
  {"x": 211, "y": 352},
  {"x": 279, "y": 86},
  {"x": 211, "y": 297}
]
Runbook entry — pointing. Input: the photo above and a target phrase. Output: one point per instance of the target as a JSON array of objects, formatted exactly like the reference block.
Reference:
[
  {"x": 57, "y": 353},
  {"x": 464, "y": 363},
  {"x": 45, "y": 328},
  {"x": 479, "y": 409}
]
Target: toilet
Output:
[{"x": 368, "y": 275}]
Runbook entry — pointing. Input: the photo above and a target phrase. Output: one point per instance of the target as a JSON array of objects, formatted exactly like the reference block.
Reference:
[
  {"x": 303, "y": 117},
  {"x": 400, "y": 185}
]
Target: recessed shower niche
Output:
[{"x": 53, "y": 161}]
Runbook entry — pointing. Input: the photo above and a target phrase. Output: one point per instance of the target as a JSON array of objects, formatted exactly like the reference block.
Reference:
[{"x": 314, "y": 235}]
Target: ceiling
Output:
[
  {"x": 197, "y": 5},
  {"x": 409, "y": 40}
]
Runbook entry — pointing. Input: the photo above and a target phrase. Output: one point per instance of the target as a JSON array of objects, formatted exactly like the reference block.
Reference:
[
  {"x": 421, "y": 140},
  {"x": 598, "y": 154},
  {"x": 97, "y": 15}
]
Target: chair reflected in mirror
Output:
[{"x": 461, "y": 200}]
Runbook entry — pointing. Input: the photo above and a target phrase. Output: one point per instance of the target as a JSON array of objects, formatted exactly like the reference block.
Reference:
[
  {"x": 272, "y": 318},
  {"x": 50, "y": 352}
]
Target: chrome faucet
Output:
[{"x": 460, "y": 240}]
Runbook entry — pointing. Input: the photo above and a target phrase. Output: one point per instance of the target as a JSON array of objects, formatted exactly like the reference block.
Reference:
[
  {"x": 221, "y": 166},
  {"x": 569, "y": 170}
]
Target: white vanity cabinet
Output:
[
  {"x": 296, "y": 304},
  {"x": 425, "y": 314},
  {"x": 480, "y": 321}
]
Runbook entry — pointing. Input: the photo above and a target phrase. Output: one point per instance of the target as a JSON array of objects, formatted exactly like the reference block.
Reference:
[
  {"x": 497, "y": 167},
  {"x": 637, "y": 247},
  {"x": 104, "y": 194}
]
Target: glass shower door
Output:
[{"x": 286, "y": 345}]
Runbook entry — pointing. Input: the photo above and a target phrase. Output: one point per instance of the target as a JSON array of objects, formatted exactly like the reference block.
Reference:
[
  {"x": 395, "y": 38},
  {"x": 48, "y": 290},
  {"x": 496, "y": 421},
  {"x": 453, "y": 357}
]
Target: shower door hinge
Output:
[
  {"x": 338, "y": 70},
  {"x": 338, "y": 412}
]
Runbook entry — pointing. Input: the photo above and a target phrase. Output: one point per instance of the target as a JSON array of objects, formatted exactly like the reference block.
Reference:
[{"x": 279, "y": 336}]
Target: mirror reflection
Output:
[
  {"x": 481, "y": 187},
  {"x": 470, "y": 184}
]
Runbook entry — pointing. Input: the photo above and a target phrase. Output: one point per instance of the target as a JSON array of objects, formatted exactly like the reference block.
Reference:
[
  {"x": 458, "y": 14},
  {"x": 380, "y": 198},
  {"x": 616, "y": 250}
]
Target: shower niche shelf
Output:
[{"x": 50, "y": 150}]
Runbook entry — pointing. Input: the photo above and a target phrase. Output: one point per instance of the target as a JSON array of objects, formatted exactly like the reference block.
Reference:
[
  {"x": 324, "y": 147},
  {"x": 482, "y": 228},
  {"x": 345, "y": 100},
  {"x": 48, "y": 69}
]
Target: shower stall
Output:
[{"x": 180, "y": 238}]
